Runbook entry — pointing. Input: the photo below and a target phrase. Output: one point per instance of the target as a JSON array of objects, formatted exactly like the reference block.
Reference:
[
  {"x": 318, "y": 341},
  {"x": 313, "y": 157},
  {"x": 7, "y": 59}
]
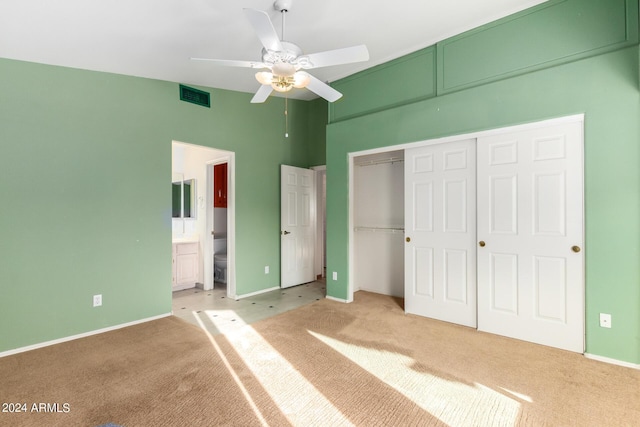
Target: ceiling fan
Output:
[{"x": 285, "y": 60}]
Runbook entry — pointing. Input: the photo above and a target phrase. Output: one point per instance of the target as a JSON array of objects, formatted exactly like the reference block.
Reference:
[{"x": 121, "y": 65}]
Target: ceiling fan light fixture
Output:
[
  {"x": 282, "y": 84},
  {"x": 264, "y": 77},
  {"x": 301, "y": 80},
  {"x": 285, "y": 60}
]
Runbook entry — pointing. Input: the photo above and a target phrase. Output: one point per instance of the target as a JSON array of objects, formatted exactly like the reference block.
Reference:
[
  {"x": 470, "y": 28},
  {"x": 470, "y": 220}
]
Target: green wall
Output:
[
  {"x": 317, "y": 132},
  {"x": 603, "y": 86},
  {"x": 85, "y": 205}
]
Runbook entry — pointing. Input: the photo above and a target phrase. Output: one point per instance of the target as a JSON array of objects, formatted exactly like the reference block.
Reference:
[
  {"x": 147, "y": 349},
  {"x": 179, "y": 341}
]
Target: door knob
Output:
[
  {"x": 481, "y": 243},
  {"x": 575, "y": 249},
  {"x": 285, "y": 232},
  {"x": 408, "y": 239}
]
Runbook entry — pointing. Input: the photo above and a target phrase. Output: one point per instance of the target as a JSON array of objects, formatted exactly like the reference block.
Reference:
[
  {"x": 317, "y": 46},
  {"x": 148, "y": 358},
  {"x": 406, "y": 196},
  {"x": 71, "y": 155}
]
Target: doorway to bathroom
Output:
[
  {"x": 197, "y": 233},
  {"x": 217, "y": 213}
]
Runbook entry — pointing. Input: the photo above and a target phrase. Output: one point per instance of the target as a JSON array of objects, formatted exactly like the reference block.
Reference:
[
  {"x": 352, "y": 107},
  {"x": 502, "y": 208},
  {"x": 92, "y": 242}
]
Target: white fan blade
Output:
[
  {"x": 345, "y": 55},
  {"x": 322, "y": 89},
  {"x": 263, "y": 27},
  {"x": 232, "y": 63},
  {"x": 262, "y": 94}
]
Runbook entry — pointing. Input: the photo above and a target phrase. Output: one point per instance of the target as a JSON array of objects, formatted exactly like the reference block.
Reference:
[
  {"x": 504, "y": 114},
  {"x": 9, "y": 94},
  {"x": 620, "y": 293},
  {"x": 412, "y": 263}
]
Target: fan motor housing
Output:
[
  {"x": 289, "y": 54},
  {"x": 282, "y": 5}
]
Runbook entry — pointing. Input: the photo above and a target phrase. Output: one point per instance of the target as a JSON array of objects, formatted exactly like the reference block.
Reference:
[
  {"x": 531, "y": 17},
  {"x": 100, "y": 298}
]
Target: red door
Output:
[{"x": 220, "y": 186}]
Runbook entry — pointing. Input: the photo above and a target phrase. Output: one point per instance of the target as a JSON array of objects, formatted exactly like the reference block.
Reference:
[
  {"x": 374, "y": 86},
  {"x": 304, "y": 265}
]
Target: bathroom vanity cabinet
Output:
[{"x": 185, "y": 265}]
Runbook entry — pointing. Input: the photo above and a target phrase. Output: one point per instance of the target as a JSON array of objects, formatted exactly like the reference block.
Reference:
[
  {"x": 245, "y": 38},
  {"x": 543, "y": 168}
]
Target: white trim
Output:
[
  {"x": 321, "y": 212},
  {"x": 452, "y": 138},
  {"x": 256, "y": 293},
  {"x": 472, "y": 135},
  {"x": 83, "y": 335},
  {"x": 231, "y": 225},
  {"x": 208, "y": 253},
  {"x": 351, "y": 260},
  {"x": 230, "y": 159},
  {"x": 612, "y": 361},
  {"x": 346, "y": 301}
]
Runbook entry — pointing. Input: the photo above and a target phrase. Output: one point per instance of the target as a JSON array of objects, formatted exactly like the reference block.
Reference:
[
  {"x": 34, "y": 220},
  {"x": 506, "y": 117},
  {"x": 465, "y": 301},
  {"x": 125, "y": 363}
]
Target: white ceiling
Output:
[{"x": 156, "y": 38}]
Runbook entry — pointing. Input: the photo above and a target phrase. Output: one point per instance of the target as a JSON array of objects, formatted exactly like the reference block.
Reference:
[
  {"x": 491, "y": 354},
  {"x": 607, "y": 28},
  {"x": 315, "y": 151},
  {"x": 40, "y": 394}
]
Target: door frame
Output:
[
  {"x": 321, "y": 212},
  {"x": 211, "y": 157},
  {"x": 209, "y": 254},
  {"x": 472, "y": 135}
]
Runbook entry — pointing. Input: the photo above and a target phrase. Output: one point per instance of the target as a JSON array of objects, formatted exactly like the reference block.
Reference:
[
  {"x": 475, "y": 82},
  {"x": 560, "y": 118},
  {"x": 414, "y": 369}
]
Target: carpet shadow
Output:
[
  {"x": 529, "y": 383},
  {"x": 362, "y": 396}
]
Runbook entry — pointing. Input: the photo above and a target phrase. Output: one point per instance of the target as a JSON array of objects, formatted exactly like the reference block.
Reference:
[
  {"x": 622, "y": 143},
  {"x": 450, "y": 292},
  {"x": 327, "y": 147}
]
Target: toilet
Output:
[{"x": 220, "y": 260}]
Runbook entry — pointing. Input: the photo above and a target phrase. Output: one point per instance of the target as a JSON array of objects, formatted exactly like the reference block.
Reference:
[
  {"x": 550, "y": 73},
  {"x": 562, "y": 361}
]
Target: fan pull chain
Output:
[{"x": 286, "y": 117}]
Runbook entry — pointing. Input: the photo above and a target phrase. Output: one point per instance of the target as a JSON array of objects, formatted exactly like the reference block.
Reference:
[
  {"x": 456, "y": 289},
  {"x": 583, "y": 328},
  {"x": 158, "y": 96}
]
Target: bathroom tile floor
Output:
[{"x": 218, "y": 313}]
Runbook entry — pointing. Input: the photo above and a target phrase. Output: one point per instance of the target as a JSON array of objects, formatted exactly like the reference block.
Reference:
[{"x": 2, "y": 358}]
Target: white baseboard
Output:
[
  {"x": 612, "y": 361},
  {"x": 83, "y": 335},
  {"x": 346, "y": 301},
  {"x": 257, "y": 292}
]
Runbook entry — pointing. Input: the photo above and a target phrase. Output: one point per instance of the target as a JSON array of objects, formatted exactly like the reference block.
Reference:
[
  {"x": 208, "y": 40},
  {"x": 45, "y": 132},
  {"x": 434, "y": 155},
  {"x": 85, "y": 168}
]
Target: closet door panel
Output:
[
  {"x": 530, "y": 223},
  {"x": 440, "y": 219}
]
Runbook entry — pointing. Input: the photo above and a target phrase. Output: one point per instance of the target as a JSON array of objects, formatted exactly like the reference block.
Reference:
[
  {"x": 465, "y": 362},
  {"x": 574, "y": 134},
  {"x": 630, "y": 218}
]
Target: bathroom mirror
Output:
[
  {"x": 183, "y": 196},
  {"x": 189, "y": 198}
]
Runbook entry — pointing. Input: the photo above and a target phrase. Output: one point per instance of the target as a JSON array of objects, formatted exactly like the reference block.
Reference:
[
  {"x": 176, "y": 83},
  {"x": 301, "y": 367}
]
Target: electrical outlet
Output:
[
  {"x": 97, "y": 300},
  {"x": 605, "y": 320},
  {"x": 266, "y": 269},
  {"x": 335, "y": 275}
]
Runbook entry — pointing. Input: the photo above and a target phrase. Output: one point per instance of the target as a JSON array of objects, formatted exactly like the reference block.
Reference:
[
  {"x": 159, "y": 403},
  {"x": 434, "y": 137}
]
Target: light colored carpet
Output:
[{"x": 325, "y": 364}]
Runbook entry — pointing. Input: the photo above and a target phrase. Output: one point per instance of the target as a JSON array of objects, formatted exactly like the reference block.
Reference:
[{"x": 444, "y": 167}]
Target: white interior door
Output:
[
  {"x": 530, "y": 232},
  {"x": 440, "y": 229},
  {"x": 298, "y": 225}
]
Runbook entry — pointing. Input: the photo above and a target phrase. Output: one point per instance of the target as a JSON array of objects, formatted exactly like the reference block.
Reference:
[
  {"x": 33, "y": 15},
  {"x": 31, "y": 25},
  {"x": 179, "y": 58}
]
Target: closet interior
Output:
[{"x": 379, "y": 223}]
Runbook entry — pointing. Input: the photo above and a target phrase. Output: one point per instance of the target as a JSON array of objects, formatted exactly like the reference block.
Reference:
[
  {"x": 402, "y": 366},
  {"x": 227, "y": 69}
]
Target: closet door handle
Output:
[
  {"x": 285, "y": 232},
  {"x": 408, "y": 239},
  {"x": 482, "y": 243}
]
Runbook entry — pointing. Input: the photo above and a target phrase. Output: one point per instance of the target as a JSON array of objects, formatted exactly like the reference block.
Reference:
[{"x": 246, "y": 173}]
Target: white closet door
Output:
[
  {"x": 440, "y": 225},
  {"x": 530, "y": 233}
]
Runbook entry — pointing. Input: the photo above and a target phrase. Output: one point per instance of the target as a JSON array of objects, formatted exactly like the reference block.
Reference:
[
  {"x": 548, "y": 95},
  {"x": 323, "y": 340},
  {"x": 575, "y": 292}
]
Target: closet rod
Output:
[{"x": 381, "y": 161}]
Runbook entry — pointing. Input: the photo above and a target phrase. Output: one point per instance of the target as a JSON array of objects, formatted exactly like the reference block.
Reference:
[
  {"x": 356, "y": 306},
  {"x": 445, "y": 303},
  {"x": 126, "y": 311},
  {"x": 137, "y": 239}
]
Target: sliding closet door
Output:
[
  {"x": 530, "y": 236},
  {"x": 440, "y": 230}
]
